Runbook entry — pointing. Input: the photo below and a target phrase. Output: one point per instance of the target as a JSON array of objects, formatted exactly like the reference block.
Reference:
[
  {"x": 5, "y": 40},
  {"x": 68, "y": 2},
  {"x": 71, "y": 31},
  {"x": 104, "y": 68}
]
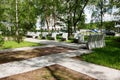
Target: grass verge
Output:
[
  {"x": 13, "y": 44},
  {"x": 108, "y": 56}
]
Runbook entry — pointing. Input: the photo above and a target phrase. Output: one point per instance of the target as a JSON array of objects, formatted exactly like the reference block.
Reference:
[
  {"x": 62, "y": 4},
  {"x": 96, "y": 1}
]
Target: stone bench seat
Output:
[
  {"x": 96, "y": 41},
  {"x": 44, "y": 34},
  {"x": 33, "y": 34},
  {"x": 54, "y": 35},
  {"x": 65, "y": 36}
]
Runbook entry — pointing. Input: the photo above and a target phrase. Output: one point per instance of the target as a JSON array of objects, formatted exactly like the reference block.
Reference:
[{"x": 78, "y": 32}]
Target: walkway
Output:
[
  {"x": 53, "y": 42},
  {"x": 95, "y": 71},
  {"x": 17, "y": 67}
]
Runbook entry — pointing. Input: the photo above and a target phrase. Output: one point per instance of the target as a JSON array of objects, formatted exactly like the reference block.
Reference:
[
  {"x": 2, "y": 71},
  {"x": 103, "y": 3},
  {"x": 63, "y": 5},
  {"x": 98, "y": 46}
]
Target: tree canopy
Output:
[{"x": 19, "y": 16}]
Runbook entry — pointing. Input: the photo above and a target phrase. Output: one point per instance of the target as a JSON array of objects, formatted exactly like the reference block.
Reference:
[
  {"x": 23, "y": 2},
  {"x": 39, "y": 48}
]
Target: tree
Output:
[
  {"x": 100, "y": 7},
  {"x": 27, "y": 15},
  {"x": 44, "y": 8},
  {"x": 16, "y": 13},
  {"x": 70, "y": 12},
  {"x": 116, "y": 4}
]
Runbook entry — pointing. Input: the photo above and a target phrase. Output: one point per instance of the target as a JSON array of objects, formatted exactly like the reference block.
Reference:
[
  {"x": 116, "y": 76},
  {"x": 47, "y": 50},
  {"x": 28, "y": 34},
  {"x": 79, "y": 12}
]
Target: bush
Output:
[
  {"x": 109, "y": 25},
  {"x": 117, "y": 39}
]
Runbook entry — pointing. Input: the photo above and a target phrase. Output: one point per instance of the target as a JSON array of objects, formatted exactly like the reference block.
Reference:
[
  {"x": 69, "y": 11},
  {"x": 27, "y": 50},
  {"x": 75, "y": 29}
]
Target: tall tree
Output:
[
  {"x": 21, "y": 14},
  {"x": 116, "y": 4},
  {"x": 100, "y": 7},
  {"x": 1, "y": 13},
  {"x": 70, "y": 12},
  {"x": 45, "y": 11}
]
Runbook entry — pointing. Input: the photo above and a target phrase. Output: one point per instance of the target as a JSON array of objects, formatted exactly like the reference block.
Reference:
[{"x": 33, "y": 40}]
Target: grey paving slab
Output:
[
  {"x": 12, "y": 68},
  {"x": 53, "y": 42},
  {"x": 25, "y": 48},
  {"x": 18, "y": 67},
  {"x": 95, "y": 71}
]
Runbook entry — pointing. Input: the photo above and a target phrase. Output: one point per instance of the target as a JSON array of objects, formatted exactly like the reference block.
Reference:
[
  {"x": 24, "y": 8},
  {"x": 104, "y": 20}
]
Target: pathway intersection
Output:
[{"x": 95, "y": 71}]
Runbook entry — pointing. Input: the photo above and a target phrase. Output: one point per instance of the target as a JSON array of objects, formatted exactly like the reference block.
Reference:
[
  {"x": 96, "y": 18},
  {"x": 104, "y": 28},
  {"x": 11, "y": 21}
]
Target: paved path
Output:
[
  {"x": 25, "y": 48},
  {"x": 95, "y": 71},
  {"x": 17, "y": 67},
  {"x": 53, "y": 42}
]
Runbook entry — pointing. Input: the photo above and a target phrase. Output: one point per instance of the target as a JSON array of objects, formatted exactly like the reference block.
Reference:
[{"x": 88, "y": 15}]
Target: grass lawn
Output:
[
  {"x": 13, "y": 44},
  {"x": 108, "y": 56}
]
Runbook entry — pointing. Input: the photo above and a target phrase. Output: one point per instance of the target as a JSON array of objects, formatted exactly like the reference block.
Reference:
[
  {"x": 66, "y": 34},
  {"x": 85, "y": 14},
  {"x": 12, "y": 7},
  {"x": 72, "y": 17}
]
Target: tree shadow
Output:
[
  {"x": 52, "y": 72},
  {"x": 10, "y": 55}
]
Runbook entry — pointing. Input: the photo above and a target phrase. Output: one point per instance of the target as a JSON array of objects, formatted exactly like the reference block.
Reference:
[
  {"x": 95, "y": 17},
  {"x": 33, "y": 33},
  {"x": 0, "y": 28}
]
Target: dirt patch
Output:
[
  {"x": 22, "y": 55},
  {"x": 54, "y": 72}
]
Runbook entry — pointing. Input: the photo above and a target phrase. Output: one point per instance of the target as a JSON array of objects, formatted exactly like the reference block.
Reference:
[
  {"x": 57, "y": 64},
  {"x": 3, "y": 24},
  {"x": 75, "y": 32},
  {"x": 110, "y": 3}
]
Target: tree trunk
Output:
[
  {"x": 54, "y": 18},
  {"x": 47, "y": 22},
  {"x": 80, "y": 14},
  {"x": 17, "y": 26},
  {"x": 101, "y": 14},
  {"x": 74, "y": 13}
]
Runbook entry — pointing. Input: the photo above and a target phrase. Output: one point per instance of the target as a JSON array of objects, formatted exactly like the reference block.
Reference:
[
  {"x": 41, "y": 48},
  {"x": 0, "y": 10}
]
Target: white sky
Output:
[
  {"x": 107, "y": 17},
  {"x": 88, "y": 13}
]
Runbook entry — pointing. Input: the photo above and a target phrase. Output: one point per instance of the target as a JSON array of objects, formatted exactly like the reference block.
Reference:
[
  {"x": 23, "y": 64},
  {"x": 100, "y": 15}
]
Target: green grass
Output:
[
  {"x": 69, "y": 41},
  {"x": 108, "y": 56},
  {"x": 13, "y": 44}
]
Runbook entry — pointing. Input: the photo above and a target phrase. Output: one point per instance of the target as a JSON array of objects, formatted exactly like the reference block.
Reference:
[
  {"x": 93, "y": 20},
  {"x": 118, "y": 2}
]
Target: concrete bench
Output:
[
  {"x": 65, "y": 36},
  {"x": 33, "y": 34},
  {"x": 54, "y": 35},
  {"x": 96, "y": 41},
  {"x": 79, "y": 37},
  {"x": 44, "y": 35},
  {"x": 76, "y": 35}
]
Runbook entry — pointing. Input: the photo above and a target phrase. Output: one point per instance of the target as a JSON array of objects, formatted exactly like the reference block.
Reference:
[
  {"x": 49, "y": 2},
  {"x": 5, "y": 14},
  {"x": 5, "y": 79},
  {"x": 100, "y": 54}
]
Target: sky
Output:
[{"x": 106, "y": 17}]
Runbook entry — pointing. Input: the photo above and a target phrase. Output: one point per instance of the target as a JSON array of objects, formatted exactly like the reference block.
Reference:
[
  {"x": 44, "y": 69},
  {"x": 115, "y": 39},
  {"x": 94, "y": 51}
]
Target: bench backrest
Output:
[
  {"x": 81, "y": 38},
  {"x": 54, "y": 35},
  {"x": 65, "y": 36},
  {"x": 76, "y": 35},
  {"x": 44, "y": 34},
  {"x": 96, "y": 41},
  {"x": 33, "y": 34}
]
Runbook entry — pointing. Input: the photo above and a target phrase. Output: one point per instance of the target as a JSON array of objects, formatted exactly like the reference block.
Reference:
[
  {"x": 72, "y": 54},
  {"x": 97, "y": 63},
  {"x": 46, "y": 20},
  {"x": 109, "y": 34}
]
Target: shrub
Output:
[{"x": 117, "y": 39}]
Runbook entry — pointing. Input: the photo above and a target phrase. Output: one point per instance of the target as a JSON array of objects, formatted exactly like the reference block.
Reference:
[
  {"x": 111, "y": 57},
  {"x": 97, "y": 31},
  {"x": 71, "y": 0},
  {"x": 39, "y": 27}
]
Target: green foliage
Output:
[
  {"x": 81, "y": 24},
  {"x": 116, "y": 3},
  {"x": 110, "y": 25},
  {"x": 71, "y": 13},
  {"x": 70, "y": 41},
  {"x": 19, "y": 17},
  {"x": 117, "y": 39},
  {"x": 1, "y": 40},
  {"x": 27, "y": 15},
  {"x": 101, "y": 7}
]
